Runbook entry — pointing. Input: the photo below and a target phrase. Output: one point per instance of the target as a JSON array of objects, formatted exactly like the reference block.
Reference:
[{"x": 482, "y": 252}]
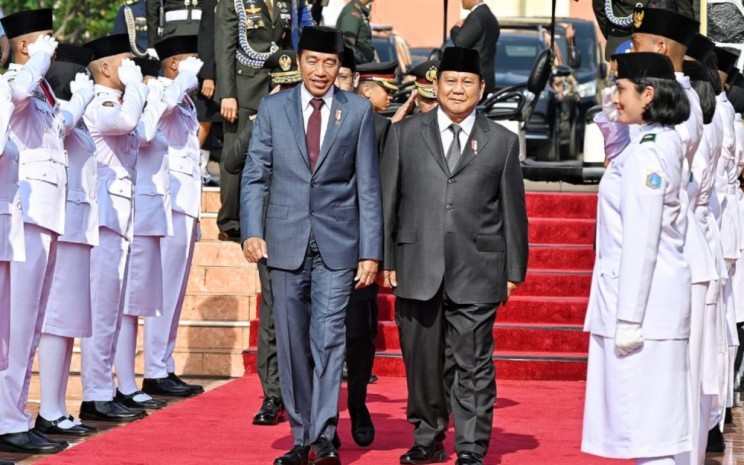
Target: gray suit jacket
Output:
[
  {"x": 467, "y": 228},
  {"x": 340, "y": 201}
]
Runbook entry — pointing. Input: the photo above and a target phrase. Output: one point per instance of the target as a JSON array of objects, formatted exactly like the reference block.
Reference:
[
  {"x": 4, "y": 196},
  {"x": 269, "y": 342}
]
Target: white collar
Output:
[
  {"x": 444, "y": 121},
  {"x": 306, "y": 96},
  {"x": 683, "y": 80},
  {"x": 722, "y": 97},
  {"x": 15, "y": 66}
]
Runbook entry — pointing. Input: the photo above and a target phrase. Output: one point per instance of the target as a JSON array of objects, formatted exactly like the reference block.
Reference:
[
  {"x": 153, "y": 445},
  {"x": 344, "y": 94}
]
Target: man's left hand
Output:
[
  {"x": 510, "y": 287},
  {"x": 366, "y": 273}
]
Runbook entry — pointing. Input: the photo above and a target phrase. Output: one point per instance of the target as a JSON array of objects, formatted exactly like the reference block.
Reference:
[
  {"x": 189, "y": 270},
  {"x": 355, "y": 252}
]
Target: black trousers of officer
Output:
[
  {"x": 267, "y": 363},
  {"x": 425, "y": 329},
  {"x": 361, "y": 331},
  {"x": 228, "y": 218}
]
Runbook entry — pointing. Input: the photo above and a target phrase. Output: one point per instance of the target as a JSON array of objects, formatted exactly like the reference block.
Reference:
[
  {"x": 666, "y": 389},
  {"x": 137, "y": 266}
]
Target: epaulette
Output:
[{"x": 648, "y": 138}]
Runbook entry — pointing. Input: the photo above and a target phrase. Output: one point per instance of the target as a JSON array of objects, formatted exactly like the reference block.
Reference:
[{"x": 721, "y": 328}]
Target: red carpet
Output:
[{"x": 535, "y": 423}]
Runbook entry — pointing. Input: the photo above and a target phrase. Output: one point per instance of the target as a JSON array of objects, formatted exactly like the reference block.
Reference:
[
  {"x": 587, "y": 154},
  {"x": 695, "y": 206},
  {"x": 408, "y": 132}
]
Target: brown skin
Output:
[
  {"x": 106, "y": 71},
  {"x": 630, "y": 103},
  {"x": 379, "y": 96},
  {"x": 656, "y": 44},
  {"x": 319, "y": 72},
  {"x": 346, "y": 79},
  {"x": 424, "y": 104},
  {"x": 170, "y": 65},
  {"x": 19, "y": 45}
]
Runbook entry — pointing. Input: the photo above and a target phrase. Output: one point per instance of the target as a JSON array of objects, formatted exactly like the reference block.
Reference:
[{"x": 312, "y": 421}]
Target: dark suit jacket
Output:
[
  {"x": 206, "y": 40},
  {"x": 234, "y": 157},
  {"x": 339, "y": 201},
  {"x": 467, "y": 228},
  {"x": 382, "y": 127},
  {"x": 480, "y": 31}
]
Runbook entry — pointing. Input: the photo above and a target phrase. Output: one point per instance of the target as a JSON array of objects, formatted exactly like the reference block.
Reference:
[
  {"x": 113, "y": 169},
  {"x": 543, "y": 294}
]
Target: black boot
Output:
[{"x": 715, "y": 441}]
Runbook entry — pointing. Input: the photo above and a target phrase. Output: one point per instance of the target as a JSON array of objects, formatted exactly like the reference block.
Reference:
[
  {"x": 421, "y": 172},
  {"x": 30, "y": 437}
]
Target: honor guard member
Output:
[
  {"x": 615, "y": 19},
  {"x": 131, "y": 19},
  {"x": 112, "y": 118},
  {"x": 68, "y": 309},
  {"x": 250, "y": 32},
  {"x": 143, "y": 293},
  {"x": 36, "y": 128},
  {"x": 166, "y": 18},
  {"x": 348, "y": 76},
  {"x": 180, "y": 126},
  {"x": 353, "y": 21}
]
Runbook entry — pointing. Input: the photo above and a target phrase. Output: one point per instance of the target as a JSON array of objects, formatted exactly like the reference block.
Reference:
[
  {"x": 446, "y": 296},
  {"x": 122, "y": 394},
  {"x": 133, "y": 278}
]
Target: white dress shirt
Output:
[
  {"x": 447, "y": 134},
  {"x": 325, "y": 111}
]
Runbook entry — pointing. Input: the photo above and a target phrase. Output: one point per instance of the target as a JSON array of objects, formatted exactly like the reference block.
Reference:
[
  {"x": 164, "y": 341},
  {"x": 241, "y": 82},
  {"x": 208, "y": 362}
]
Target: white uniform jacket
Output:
[
  {"x": 38, "y": 133},
  {"x": 12, "y": 241},
  {"x": 112, "y": 123},
  {"x": 726, "y": 181},
  {"x": 640, "y": 273},
  {"x": 152, "y": 202},
  {"x": 180, "y": 126}
]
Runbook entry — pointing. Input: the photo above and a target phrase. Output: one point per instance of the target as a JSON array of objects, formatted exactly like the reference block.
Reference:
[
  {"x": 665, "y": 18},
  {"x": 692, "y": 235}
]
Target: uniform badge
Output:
[
  {"x": 653, "y": 180},
  {"x": 638, "y": 15},
  {"x": 431, "y": 74},
  {"x": 285, "y": 62},
  {"x": 648, "y": 138}
]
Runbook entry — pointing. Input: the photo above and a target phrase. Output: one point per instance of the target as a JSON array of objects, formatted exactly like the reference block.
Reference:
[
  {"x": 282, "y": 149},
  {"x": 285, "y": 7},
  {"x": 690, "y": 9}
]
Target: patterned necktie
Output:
[
  {"x": 313, "y": 132},
  {"x": 453, "y": 154},
  {"x": 47, "y": 93}
]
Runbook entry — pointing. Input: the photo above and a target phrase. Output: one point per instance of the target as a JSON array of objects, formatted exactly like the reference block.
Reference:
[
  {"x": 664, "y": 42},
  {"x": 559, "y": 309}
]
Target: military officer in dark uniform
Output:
[
  {"x": 207, "y": 109},
  {"x": 131, "y": 19},
  {"x": 167, "y": 18},
  {"x": 353, "y": 21}
]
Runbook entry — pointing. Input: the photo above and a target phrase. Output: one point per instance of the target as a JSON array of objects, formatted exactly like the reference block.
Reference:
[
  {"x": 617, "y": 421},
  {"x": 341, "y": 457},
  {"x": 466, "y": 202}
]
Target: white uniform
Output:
[
  {"x": 12, "y": 246},
  {"x": 180, "y": 126},
  {"x": 738, "y": 277},
  {"x": 112, "y": 122},
  {"x": 37, "y": 132},
  {"x": 635, "y": 404}
]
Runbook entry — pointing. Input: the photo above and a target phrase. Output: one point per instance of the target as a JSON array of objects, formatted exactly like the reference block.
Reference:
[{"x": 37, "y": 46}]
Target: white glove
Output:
[
  {"x": 187, "y": 71},
  {"x": 129, "y": 73},
  {"x": 43, "y": 44},
  {"x": 157, "y": 89},
  {"x": 609, "y": 108},
  {"x": 82, "y": 83},
  {"x": 5, "y": 92},
  {"x": 190, "y": 65},
  {"x": 628, "y": 338}
]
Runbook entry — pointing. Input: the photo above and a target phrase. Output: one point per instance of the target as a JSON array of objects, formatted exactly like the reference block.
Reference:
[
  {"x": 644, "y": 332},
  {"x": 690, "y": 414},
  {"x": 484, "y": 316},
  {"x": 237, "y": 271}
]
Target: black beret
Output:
[
  {"x": 700, "y": 47},
  {"x": 27, "y": 21},
  {"x": 177, "y": 45},
  {"x": 321, "y": 39},
  {"x": 348, "y": 60},
  {"x": 696, "y": 71},
  {"x": 726, "y": 59},
  {"x": 109, "y": 46},
  {"x": 665, "y": 23},
  {"x": 149, "y": 66},
  {"x": 462, "y": 60},
  {"x": 643, "y": 65},
  {"x": 283, "y": 67},
  {"x": 74, "y": 54},
  {"x": 425, "y": 74}
]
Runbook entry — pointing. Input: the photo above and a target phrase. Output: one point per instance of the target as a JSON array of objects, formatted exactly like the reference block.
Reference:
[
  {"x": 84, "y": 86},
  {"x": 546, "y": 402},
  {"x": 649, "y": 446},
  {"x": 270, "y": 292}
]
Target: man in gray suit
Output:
[
  {"x": 455, "y": 247},
  {"x": 313, "y": 158}
]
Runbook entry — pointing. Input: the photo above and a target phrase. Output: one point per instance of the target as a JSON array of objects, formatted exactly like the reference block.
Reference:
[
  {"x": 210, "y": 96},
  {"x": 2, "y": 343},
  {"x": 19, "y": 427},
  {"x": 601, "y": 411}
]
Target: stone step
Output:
[
  {"x": 223, "y": 280},
  {"x": 219, "y": 253},
  {"x": 208, "y": 224},
  {"x": 210, "y": 199}
]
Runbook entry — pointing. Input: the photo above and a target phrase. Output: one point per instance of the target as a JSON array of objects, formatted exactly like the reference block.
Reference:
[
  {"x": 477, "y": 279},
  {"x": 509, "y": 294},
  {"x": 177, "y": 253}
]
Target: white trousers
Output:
[
  {"x": 4, "y": 313},
  {"x": 29, "y": 292},
  {"x": 143, "y": 295},
  {"x": 107, "y": 271},
  {"x": 161, "y": 332}
]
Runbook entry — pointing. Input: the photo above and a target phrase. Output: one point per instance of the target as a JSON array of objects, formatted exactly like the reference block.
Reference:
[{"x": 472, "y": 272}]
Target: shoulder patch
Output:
[
  {"x": 108, "y": 103},
  {"x": 355, "y": 14},
  {"x": 648, "y": 138},
  {"x": 653, "y": 180}
]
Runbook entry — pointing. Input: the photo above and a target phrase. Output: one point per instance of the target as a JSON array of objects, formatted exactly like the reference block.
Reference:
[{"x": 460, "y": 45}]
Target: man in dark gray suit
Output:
[
  {"x": 480, "y": 31},
  {"x": 313, "y": 157},
  {"x": 455, "y": 247}
]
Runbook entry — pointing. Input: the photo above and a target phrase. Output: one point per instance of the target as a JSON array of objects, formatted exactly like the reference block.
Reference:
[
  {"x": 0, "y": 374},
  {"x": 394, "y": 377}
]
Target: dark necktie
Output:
[
  {"x": 453, "y": 154},
  {"x": 47, "y": 93},
  {"x": 313, "y": 132}
]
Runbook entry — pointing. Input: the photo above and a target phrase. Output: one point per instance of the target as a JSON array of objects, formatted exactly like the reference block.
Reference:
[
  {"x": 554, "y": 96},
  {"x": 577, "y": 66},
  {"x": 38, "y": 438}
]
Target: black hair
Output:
[
  {"x": 669, "y": 5},
  {"x": 670, "y": 106},
  {"x": 711, "y": 61},
  {"x": 735, "y": 95},
  {"x": 707, "y": 95}
]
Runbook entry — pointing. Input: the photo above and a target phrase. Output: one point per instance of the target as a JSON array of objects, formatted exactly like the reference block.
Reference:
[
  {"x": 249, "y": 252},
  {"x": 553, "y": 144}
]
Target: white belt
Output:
[{"x": 182, "y": 15}]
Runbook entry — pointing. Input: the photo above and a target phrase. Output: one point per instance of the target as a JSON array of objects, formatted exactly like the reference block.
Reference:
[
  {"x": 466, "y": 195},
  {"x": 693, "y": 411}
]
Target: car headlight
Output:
[{"x": 587, "y": 89}]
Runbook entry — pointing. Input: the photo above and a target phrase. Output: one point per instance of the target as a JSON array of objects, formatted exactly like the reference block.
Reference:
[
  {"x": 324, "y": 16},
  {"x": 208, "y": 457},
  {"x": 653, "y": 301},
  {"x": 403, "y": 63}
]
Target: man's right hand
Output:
[
  {"x": 254, "y": 249},
  {"x": 229, "y": 109},
  {"x": 43, "y": 44},
  {"x": 390, "y": 278}
]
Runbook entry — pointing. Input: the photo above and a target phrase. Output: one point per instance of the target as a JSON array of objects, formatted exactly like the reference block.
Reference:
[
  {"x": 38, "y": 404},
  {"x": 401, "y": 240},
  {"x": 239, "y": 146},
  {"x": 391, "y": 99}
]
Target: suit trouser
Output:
[
  {"x": 4, "y": 313},
  {"x": 425, "y": 327},
  {"x": 309, "y": 312},
  {"x": 160, "y": 332},
  {"x": 29, "y": 290},
  {"x": 361, "y": 331},
  {"x": 267, "y": 364},
  {"x": 229, "y": 215},
  {"x": 108, "y": 270}
]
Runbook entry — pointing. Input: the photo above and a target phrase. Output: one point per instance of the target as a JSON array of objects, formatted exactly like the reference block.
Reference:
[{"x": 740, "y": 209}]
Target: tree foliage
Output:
[{"x": 75, "y": 21}]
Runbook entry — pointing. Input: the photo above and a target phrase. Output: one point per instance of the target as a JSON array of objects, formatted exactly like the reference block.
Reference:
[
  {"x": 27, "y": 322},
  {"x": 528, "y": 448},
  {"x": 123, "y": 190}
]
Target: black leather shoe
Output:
[
  {"x": 90, "y": 428},
  {"x": 229, "y": 235},
  {"x": 715, "y": 441},
  {"x": 373, "y": 379},
  {"x": 296, "y": 456},
  {"x": 322, "y": 452},
  {"x": 336, "y": 441},
  {"x": 44, "y": 426},
  {"x": 468, "y": 458},
  {"x": 109, "y": 411},
  {"x": 29, "y": 443},
  {"x": 3, "y": 462},
  {"x": 270, "y": 413},
  {"x": 43, "y": 437},
  {"x": 195, "y": 388},
  {"x": 362, "y": 429},
  {"x": 729, "y": 418},
  {"x": 127, "y": 400},
  {"x": 165, "y": 387},
  {"x": 419, "y": 454}
]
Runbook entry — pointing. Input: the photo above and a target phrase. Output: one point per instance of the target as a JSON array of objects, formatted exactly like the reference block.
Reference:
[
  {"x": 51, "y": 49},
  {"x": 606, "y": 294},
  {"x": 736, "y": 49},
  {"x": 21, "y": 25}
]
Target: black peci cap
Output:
[
  {"x": 461, "y": 60},
  {"x": 643, "y": 65},
  {"x": 283, "y": 67},
  {"x": 665, "y": 23},
  {"x": 321, "y": 39},
  {"x": 177, "y": 45},
  {"x": 27, "y": 21},
  {"x": 149, "y": 66},
  {"x": 382, "y": 73},
  {"x": 348, "y": 60},
  {"x": 700, "y": 47},
  {"x": 726, "y": 59},
  {"x": 109, "y": 46},
  {"x": 425, "y": 73},
  {"x": 696, "y": 71},
  {"x": 74, "y": 54}
]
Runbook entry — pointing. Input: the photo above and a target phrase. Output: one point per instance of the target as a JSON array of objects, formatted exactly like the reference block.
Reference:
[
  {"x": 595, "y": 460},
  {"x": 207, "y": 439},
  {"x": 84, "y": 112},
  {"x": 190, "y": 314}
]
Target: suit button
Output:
[
  {"x": 312, "y": 184},
  {"x": 312, "y": 213},
  {"x": 449, "y": 206}
]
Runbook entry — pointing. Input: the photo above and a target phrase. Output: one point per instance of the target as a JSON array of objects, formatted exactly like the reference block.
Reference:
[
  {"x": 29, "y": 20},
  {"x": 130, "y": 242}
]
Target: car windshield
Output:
[
  {"x": 384, "y": 48},
  {"x": 515, "y": 55},
  {"x": 587, "y": 46}
]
